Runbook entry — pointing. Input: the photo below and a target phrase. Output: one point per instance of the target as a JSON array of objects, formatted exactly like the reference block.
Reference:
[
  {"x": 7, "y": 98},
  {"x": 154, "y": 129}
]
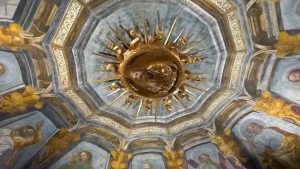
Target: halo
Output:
[{"x": 242, "y": 130}]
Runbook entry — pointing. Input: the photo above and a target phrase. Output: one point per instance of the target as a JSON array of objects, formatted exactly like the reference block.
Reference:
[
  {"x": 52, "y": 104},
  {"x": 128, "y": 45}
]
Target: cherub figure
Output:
[{"x": 19, "y": 102}]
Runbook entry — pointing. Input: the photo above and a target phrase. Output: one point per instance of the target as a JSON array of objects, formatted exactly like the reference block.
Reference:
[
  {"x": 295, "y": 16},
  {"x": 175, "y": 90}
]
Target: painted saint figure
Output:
[
  {"x": 294, "y": 75},
  {"x": 13, "y": 141},
  {"x": 155, "y": 78},
  {"x": 278, "y": 148},
  {"x": 81, "y": 160}
]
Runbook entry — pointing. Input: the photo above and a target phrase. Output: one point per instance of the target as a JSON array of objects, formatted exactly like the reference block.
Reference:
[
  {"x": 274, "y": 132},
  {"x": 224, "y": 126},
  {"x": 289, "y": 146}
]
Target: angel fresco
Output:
[
  {"x": 275, "y": 147},
  {"x": 13, "y": 141},
  {"x": 79, "y": 160}
]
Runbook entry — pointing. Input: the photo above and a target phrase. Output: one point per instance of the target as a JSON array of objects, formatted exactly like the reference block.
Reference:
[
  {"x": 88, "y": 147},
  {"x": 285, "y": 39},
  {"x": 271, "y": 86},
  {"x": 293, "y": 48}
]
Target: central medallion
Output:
[
  {"x": 152, "y": 71},
  {"x": 149, "y": 66}
]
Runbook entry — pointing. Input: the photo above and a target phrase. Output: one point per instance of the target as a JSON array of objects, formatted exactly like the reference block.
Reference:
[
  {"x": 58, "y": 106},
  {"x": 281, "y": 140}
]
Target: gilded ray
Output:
[
  {"x": 144, "y": 21},
  {"x": 120, "y": 38},
  {"x": 156, "y": 108},
  {"x": 127, "y": 32},
  {"x": 190, "y": 48},
  {"x": 115, "y": 43},
  {"x": 109, "y": 48},
  {"x": 179, "y": 36},
  {"x": 191, "y": 93},
  {"x": 119, "y": 97},
  {"x": 106, "y": 56},
  {"x": 151, "y": 110},
  {"x": 171, "y": 31},
  {"x": 140, "y": 107},
  {"x": 195, "y": 53},
  {"x": 129, "y": 105},
  {"x": 106, "y": 79},
  {"x": 113, "y": 92},
  {"x": 161, "y": 27},
  {"x": 154, "y": 28},
  {"x": 194, "y": 87},
  {"x": 107, "y": 86},
  {"x": 177, "y": 99}
]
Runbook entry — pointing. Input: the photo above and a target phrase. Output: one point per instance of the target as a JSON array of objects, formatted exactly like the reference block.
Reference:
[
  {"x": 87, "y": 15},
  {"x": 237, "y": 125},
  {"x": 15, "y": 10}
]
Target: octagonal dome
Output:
[{"x": 204, "y": 35}]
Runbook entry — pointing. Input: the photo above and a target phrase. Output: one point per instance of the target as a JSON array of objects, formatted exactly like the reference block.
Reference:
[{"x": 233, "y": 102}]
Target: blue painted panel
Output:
[
  {"x": 290, "y": 14},
  {"x": 99, "y": 160},
  {"x": 280, "y": 83},
  {"x": 13, "y": 77},
  {"x": 195, "y": 155},
  {"x": 155, "y": 160},
  {"x": 48, "y": 130},
  {"x": 8, "y": 8},
  {"x": 267, "y": 137}
]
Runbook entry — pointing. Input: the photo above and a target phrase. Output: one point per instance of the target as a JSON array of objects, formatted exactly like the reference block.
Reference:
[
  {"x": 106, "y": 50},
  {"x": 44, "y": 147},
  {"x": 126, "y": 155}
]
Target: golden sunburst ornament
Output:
[{"x": 150, "y": 69}]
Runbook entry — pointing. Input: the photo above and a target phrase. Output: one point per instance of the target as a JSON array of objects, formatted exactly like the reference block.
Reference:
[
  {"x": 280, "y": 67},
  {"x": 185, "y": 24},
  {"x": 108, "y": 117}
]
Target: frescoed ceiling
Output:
[{"x": 149, "y": 83}]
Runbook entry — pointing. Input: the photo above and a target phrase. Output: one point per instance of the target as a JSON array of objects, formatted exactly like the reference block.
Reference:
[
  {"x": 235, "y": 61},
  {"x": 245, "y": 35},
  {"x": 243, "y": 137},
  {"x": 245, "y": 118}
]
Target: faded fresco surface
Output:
[
  {"x": 8, "y": 8},
  {"x": 270, "y": 138},
  {"x": 84, "y": 156},
  {"x": 11, "y": 77},
  {"x": 21, "y": 139},
  {"x": 206, "y": 156},
  {"x": 150, "y": 84},
  {"x": 148, "y": 160}
]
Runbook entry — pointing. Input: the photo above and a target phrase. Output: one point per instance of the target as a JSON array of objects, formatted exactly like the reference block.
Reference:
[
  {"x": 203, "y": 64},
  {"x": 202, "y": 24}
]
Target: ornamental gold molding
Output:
[
  {"x": 109, "y": 122},
  {"x": 149, "y": 130},
  {"x": 235, "y": 72},
  {"x": 224, "y": 96},
  {"x": 63, "y": 74},
  {"x": 224, "y": 5},
  {"x": 236, "y": 31},
  {"x": 68, "y": 22},
  {"x": 178, "y": 127},
  {"x": 81, "y": 105}
]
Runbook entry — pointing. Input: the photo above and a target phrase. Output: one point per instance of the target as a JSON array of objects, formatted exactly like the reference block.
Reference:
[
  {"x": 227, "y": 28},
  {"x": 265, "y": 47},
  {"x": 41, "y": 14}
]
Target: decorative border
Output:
[
  {"x": 63, "y": 73},
  {"x": 236, "y": 67},
  {"x": 67, "y": 24},
  {"x": 81, "y": 105},
  {"x": 236, "y": 31},
  {"x": 222, "y": 4},
  {"x": 109, "y": 122},
  {"x": 66, "y": 27}
]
